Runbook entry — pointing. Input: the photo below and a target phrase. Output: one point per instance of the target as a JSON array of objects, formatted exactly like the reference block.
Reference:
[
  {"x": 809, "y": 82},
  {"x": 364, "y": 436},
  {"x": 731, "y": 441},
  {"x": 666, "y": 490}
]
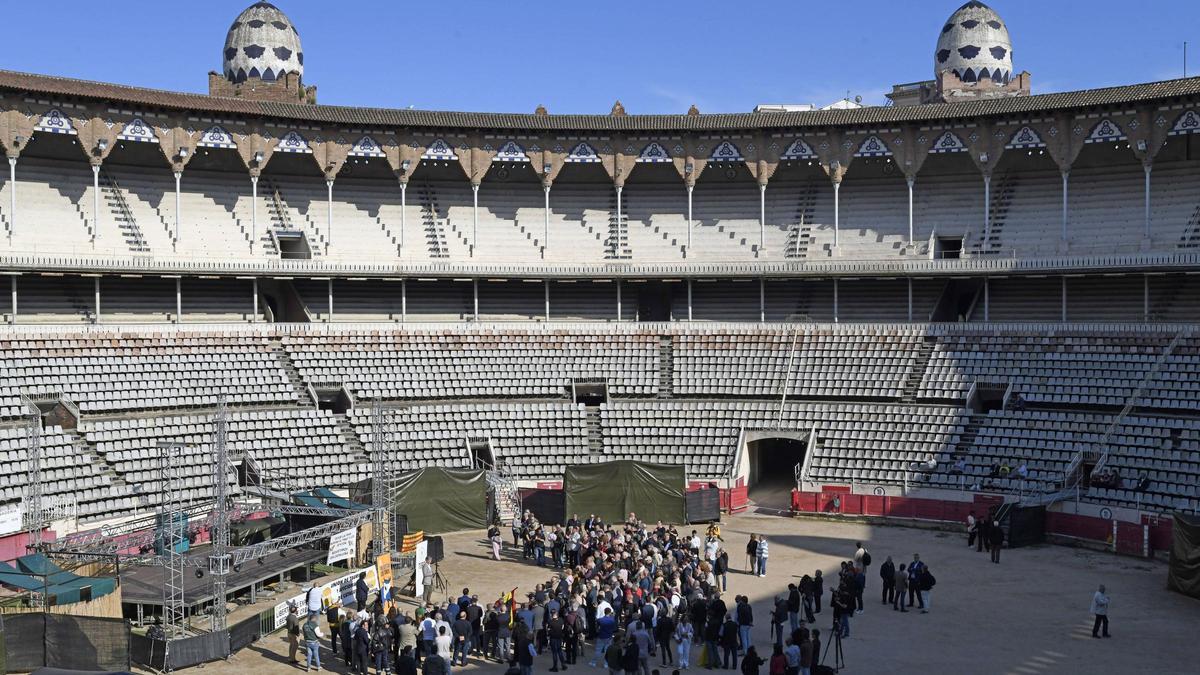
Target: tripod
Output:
[
  {"x": 439, "y": 580},
  {"x": 839, "y": 661}
]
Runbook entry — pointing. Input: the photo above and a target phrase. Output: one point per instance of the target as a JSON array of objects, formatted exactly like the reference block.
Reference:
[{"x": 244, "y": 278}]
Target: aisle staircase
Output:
[{"x": 506, "y": 497}]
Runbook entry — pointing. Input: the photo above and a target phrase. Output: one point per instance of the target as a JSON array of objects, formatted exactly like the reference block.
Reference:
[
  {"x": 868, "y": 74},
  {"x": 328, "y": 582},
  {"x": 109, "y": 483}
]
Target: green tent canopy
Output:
[
  {"x": 1183, "y": 575},
  {"x": 437, "y": 500},
  {"x": 612, "y": 489}
]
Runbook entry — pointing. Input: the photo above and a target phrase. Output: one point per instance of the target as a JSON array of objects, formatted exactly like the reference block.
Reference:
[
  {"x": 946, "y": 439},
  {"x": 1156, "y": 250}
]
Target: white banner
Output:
[
  {"x": 10, "y": 520},
  {"x": 341, "y": 589},
  {"x": 343, "y": 546},
  {"x": 420, "y": 580}
]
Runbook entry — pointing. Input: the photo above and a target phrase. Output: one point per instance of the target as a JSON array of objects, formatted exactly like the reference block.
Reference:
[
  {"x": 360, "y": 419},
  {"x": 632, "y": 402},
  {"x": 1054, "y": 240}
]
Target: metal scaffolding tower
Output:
[
  {"x": 35, "y": 519},
  {"x": 172, "y": 532},
  {"x": 383, "y": 506},
  {"x": 218, "y": 559}
]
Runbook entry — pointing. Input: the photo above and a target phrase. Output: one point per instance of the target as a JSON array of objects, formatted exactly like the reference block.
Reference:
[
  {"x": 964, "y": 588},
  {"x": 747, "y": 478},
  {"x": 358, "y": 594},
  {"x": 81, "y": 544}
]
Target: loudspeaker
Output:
[
  {"x": 401, "y": 525},
  {"x": 435, "y": 551}
]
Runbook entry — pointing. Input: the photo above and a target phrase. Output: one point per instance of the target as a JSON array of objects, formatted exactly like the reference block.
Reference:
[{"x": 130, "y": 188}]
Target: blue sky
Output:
[{"x": 574, "y": 56}]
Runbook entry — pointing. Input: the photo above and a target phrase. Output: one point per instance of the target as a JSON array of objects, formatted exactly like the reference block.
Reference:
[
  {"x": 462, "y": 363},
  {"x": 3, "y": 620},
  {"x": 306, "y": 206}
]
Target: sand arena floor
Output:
[{"x": 1027, "y": 615}]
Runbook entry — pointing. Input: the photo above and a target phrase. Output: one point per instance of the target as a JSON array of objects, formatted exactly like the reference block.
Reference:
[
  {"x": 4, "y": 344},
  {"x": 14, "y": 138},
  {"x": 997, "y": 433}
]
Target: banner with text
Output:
[
  {"x": 339, "y": 590},
  {"x": 342, "y": 546}
]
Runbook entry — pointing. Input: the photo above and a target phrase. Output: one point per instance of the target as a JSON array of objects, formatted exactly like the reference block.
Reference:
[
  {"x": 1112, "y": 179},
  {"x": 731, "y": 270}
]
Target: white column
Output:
[
  {"x": 404, "y": 301},
  {"x": 178, "y": 299},
  {"x": 546, "y": 222},
  {"x": 328, "y": 213},
  {"x": 474, "y": 217},
  {"x": 762, "y": 218},
  {"x": 619, "y": 220},
  {"x": 1064, "y": 299},
  {"x": 689, "y": 218},
  {"x": 689, "y": 298},
  {"x": 254, "y": 294},
  {"x": 618, "y": 298},
  {"x": 95, "y": 202},
  {"x": 13, "y": 285},
  {"x": 403, "y": 210},
  {"x": 96, "y": 291},
  {"x": 987, "y": 299},
  {"x": 835, "y": 300},
  {"x": 547, "y": 288},
  {"x": 762, "y": 300},
  {"x": 253, "y": 212},
  {"x": 1147, "y": 231},
  {"x": 12, "y": 196},
  {"x": 178, "y": 176},
  {"x": 910, "y": 308},
  {"x": 1065, "y": 175},
  {"x": 911, "y": 180},
  {"x": 475, "y": 295},
  {"x": 987, "y": 207},
  {"x": 1145, "y": 297},
  {"x": 837, "y": 223}
]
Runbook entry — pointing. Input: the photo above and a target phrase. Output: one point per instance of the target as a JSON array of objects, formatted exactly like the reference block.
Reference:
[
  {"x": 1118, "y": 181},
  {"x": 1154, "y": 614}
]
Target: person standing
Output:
[
  {"x": 927, "y": 581},
  {"x": 745, "y": 620},
  {"x": 914, "y": 581},
  {"x": 751, "y": 662},
  {"x": 901, "y": 584},
  {"x": 684, "y": 634},
  {"x": 462, "y": 639},
  {"x": 606, "y": 627},
  {"x": 406, "y": 663},
  {"x": 664, "y": 628},
  {"x": 793, "y": 608},
  {"x": 859, "y": 585},
  {"x": 762, "y": 555},
  {"x": 729, "y": 643},
  {"x": 721, "y": 568},
  {"x": 981, "y": 533},
  {"x": 887, "y": 573},
  {"x": 360, "y": 593},
  {"x": 427, "y": 580},
  {"x": 996, "y": 539},
  {"x": 497, "y": 541},
  {"x": 752, "y": 554},
  {"x": 972, "y": 529},
  {"x": 525, "y": 651},
  {"x": 818, "y": 590},
  {"x": 630, "y": 659},
  {"x": 293, "y": 633},
  {"x": 312, "y": 635},
  {"x": 1100, "y": 611},
  {"x": 362, "y": 648},
  {"x": 556, "y": 633}
]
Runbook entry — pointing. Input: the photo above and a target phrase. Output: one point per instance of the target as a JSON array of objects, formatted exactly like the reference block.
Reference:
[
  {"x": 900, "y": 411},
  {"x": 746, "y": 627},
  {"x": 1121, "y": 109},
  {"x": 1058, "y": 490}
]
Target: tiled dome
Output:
[
  {"x": 974, "y": 44},
  {"x": 262, "y": 43}
]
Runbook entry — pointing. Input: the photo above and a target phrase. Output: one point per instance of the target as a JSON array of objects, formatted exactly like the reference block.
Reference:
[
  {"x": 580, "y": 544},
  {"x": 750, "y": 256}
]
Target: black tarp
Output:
[
  {"x": 1183, "y": 573},
  {"x": 1026, "y": 526},
  {"x": 614, "y": 489},
  {"x": 435, "y": 499},
  {"x": 38, "y": 640},
  {"x": 704, "y": 505},
  {"x": 548, "y": 506}
]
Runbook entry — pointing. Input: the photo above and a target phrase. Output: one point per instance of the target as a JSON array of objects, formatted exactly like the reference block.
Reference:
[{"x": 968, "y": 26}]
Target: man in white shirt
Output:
[{"x": 1100, "y": 610}]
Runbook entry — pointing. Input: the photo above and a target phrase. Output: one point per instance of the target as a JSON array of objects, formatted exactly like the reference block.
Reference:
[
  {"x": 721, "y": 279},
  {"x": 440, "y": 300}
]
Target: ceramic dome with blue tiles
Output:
[
  {"x": 974, "y": 43},
  {"x": 262, "y": 43}
]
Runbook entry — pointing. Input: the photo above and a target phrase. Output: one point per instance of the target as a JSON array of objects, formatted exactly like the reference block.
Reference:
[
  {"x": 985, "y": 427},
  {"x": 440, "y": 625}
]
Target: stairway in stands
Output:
[
  {"x": 616, "y": 244},
  {"x": 1191, "y": 234},
  {"x": 800, "y": 234},
  {"x": 285, "y": 362},
  {"x": 991, "y": 242},
  {"x": 280, "y": 220},
  {"x": 912, "y": 383},
  {"x": 115, "y": 200},
  {"x": 595, "y": 432},
  {"x": 666, "y": 366},
  {"x": 503, "y": 484},
  {"x": 350, "y": 437},
  {"x": 967, "y": 440}
]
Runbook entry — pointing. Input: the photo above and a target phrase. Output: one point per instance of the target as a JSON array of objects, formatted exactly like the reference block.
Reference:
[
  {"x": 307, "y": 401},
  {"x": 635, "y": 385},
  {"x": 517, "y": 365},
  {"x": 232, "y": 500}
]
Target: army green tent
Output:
[
  {"x": 612, "y": 489},
  {"x": 435, "y": 499},
  {"x": 1183, "y": 574}
]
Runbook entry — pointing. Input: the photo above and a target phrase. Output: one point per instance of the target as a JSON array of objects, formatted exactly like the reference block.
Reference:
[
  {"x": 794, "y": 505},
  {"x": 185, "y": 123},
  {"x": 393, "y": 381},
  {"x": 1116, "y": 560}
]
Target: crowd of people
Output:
[{"x": 628, "y": 597}]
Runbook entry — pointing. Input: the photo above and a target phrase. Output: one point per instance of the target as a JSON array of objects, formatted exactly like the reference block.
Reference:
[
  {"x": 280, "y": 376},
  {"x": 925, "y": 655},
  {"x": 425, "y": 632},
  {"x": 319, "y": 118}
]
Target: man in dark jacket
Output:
[
  {"x": 996, "y": 540},
  {"x": 887, "y": 572},
  {"x": 405, "y": 663},
  {"x": 361, "y": 591},
  {"x": 662, "y": 634},
  {"x": 793, "y": 607},
  {"x": 555, "y": 631},
  {"x": 629, "y": 658},
  {"x": 362, "y": 648},
  {"x": 729, "y": 643},
  {"x": 462, "y": 639},
  {"x": 745, "y": 620}
]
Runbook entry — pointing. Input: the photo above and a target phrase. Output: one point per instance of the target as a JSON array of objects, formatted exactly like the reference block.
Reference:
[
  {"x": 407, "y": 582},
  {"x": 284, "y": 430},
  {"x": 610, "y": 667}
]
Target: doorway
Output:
[{"x": 771, "y": 474}]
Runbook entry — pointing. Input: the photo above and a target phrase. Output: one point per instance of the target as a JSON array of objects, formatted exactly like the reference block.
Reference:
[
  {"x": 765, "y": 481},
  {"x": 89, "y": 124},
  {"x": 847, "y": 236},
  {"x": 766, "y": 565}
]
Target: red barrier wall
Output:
[{"x": 836, "y": 499}]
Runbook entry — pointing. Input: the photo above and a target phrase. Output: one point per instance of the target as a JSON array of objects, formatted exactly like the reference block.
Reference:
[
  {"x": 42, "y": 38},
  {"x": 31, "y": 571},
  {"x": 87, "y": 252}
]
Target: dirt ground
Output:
[{"x": 1027, "y": 615}]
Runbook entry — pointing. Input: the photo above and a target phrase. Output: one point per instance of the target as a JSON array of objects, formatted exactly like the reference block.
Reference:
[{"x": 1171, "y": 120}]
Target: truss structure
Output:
[
  {"x": 383, "y": 450},
  {"x": 172, "y": 534},
  {"x": 35, "y": 519},
  {"x": 218, "y": 558}
]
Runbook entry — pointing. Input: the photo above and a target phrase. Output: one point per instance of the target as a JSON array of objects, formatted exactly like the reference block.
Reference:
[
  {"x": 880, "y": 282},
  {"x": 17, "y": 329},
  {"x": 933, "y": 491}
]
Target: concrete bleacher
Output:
[{"x": 70, "y": 474}]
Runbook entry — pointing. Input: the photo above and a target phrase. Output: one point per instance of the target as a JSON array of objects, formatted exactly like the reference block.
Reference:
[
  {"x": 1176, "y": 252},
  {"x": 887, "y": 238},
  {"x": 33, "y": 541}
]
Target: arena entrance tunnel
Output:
[{"x": 768, "y": 464}]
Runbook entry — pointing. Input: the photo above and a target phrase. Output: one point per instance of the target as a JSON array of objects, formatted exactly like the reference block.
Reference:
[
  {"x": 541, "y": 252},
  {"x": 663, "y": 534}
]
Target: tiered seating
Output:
[
  {"x": 827, "y": 364},
  {"x": 483, "y": 364},
  {"x": 69, "y": 474},
  {"x": 1085, "y": 369},
  {"x": 534, "y": 440},
  {"x": 106, "y": 373},
  {"x": 302, "y": 448},
  {"x": 54, "y": 207}
]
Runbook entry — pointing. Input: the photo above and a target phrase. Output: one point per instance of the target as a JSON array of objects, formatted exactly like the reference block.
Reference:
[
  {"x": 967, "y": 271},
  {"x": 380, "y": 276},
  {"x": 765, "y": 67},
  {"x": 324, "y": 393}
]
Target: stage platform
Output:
[{"x": 143, "y": 584}]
